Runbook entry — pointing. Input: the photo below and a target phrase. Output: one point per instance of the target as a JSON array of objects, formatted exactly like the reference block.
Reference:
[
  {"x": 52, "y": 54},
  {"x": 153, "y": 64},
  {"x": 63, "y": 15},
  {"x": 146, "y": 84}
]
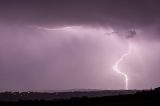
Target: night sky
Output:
[{"x": 73, "y": 44}]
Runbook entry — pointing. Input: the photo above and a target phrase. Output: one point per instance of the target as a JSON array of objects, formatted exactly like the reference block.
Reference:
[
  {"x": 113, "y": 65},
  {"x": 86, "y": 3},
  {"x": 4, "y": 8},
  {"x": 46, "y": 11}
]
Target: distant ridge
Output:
[
  {"x": 72, "y": 90},
  {"x": 61, "y": 94}
]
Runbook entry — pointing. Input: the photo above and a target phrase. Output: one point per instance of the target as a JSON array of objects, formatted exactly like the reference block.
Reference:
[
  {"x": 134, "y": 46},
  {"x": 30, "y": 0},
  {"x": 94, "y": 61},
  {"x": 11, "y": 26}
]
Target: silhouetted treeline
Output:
[{"x": 141, "y": 98}]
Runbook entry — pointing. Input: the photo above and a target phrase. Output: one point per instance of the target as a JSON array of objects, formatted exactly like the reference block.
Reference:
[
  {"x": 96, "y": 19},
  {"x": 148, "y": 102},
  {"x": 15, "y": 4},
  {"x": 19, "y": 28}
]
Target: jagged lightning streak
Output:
[
  {"x": 115, "y": 67},
  {"x": 62, "y": 28},
  {"x": 53, "y": 29}
]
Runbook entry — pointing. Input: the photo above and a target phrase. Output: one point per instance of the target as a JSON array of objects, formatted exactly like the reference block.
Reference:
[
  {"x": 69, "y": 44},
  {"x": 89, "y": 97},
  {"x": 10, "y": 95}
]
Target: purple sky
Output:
[{"x": 68, "y": 44}]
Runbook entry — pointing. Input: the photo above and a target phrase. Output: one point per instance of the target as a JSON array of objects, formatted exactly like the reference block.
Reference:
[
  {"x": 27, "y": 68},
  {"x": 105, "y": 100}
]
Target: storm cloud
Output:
[{"x": 34, "y": 58}]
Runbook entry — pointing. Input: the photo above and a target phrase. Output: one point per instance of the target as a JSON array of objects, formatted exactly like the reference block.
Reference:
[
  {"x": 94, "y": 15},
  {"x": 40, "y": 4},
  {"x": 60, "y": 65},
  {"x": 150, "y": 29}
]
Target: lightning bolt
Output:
[
  {"x": 52, "y": 29},
  {"x": 115, "y": 67},
  {"x": 63, "y": 28}
]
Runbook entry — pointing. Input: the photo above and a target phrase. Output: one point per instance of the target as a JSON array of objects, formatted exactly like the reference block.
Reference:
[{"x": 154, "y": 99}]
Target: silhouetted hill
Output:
[
  {"x": 15, "y": 96},
  {"x": 140, "y": 98}
]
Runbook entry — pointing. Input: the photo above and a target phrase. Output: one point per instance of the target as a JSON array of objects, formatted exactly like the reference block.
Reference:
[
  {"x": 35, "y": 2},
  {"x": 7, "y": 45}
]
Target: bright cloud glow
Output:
[{"x": 80, "y": 30}]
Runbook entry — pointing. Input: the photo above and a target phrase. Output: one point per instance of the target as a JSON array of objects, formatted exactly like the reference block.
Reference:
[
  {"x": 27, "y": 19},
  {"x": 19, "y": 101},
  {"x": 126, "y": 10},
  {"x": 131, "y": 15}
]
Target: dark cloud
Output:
[
  {"x": 123, "y": 12},
  {"x": 131, "y": 33},
  {"x": 122, "y": 15}
]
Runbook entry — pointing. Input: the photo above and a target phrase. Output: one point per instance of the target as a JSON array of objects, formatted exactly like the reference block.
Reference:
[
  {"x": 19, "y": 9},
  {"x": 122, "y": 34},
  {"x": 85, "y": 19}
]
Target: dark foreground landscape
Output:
[{"x": 83, "y": 98}]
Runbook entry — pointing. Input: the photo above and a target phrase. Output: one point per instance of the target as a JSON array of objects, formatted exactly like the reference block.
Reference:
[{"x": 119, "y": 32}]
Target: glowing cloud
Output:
[{"x": 100, "y": 31}]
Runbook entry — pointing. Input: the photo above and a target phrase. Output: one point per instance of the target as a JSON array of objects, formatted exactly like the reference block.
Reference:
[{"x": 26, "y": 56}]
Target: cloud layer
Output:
[{"x": 35, "y": 57}]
